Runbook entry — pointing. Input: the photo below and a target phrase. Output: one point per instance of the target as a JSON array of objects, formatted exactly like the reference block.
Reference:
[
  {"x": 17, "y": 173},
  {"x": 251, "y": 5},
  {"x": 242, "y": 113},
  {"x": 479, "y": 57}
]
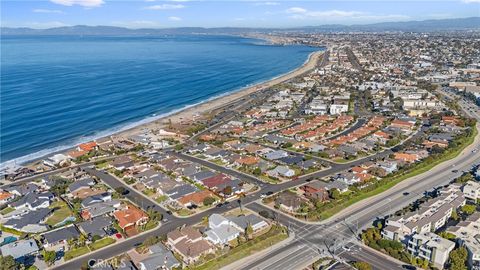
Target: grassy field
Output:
[
  {"x": 7, "y": 210},
  {"x": 161, "y": 198},
  {"x": 60, "y": 214},
  {"x": 419, "y": 169},
  {"x": 102, "y": 243},
  {"x": 9, "y": 230},
  {"x": 275, "y": 235},
  {"x": 73, "y": 253}
]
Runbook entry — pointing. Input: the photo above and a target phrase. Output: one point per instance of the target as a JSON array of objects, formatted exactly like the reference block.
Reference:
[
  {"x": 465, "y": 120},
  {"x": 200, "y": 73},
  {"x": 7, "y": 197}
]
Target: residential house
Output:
[
  {"x": 221, "y": 230},
  {"x": 189, "y": 244},
  {"x": 122, "y": 163},
  {"x": 102, "y": 197},
  {"x": 316, "y": 190},
  {"x": 130, "y": 217},
  {"x": 76, "y": 186},
  {"x": 242, "y": 222},
  {"x": 20, "y": 250},
  {"x": 60, "y": 236},
  {"x": 281, "y": 171},
  {"x": 96, "y": 226},
  {"x": 100, "y": 209},
  {"x": 289, "y": 201},
  {"x": 30, "y": 222},
  {"x": 5, "y": 197},
  {"x": 159, "y": 257},
  {"x": 195, "y": 198},
  {"x": 33, "y": 201}
]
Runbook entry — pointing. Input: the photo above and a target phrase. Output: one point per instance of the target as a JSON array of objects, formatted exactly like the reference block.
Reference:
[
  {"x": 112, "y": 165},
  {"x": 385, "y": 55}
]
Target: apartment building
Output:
[
  {"x": 429, "y": 217},
  {"x": 430, "y": 246},
  {"x": 468, "y": 235},
  {"x": 471, "y": 190}
]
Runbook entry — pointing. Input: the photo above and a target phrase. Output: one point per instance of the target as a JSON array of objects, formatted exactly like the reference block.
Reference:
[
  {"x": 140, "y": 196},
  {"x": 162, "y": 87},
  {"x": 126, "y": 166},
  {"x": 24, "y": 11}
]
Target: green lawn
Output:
[
  {"x": 149, "y": 192},
  {"x": 161, "y": 198},
  {"x": 60, "y": 214},
  {"x": 73, "y": 253},
  {"x": 184, "y": 212},
  {"x": 102, "y": 243},
  {"x": 7, "y": 210},
  {"x": 10, "y": 230},
  {"x": 257, "y": 244}
]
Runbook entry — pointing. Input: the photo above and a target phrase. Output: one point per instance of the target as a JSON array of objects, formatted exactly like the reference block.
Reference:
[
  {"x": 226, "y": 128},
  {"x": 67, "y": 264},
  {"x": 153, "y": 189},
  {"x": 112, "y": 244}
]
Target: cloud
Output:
[
  {"x": 175, "y": 19},
  {"x": 165, "y": 7},
  {"x": 296, "y": 10},
  {"x": 266, "y": 4},
  {"x": 41, "y": 25},
  {"x": 302, "y": 13},
  {"x": 39, "y": 10},
  {"x": 83, "y": 3}
]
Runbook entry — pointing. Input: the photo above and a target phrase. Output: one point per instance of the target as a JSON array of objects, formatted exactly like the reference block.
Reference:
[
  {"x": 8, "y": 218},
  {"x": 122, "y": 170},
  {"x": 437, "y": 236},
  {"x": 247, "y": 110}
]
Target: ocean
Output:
[{"x": 58, "y": 91}]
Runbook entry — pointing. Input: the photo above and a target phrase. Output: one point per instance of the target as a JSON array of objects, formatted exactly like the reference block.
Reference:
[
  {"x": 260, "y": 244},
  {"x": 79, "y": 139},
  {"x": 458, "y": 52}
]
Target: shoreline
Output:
[{"x": 186, "y": 113}]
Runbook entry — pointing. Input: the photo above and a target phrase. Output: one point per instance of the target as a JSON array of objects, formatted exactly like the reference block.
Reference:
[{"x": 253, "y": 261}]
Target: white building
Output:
[
  {"x": 339, "y": 106},
  {"x": 432, "y": 215},
  {"x": 468, "y": 233},
  {"x": 471, "y": 190},
  {"x": 431, "y": 247}
]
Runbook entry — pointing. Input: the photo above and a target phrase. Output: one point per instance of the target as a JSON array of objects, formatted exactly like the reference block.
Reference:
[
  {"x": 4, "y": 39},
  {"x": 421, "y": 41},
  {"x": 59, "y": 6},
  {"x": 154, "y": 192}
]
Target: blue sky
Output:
[{"x": 178, "y": 13}]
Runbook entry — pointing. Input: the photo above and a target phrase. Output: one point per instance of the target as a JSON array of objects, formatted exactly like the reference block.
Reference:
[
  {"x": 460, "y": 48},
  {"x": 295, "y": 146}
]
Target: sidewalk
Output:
[{"x": 245, "y": 261}]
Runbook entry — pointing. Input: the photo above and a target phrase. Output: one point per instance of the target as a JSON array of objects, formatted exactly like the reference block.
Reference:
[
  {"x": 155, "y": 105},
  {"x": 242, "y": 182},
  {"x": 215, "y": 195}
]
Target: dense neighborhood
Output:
[{"x": 219, "y": 190}]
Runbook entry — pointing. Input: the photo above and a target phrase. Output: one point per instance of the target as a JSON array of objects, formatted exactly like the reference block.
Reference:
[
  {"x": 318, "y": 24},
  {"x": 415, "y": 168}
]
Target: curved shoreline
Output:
[{"x": 185, "y": 113}]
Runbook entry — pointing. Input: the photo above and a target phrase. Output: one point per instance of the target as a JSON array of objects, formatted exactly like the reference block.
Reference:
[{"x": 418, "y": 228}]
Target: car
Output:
[
  {"x": 59, "y": 254},
  {"x": 118, "y": 235},
  {"x": 406, "y": 193},
  {"x": 309, "y": 180},
  {"x": 227, "y": 202},
  {"x": 269, "y": 193},
  {"x": 346, "y": 248},
  {"x": 169, "y": 213},
  {"x": 219, "y": 205},
  {"x": 454, "y": 171},
  {"x": 409, "y": 267}
]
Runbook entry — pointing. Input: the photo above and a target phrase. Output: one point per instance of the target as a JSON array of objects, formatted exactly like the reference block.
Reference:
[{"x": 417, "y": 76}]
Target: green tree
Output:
[
  {"x": 257, "y": 171},
  {"x": 249, "y": 231},
  {"x": 154, "y": 215},
  {"x": 121, "y": 190},
  {"x": 208, "y": 201},
  {"x": 150, "y": 241},
  {"x": 447, "y": 235},
  {"x": 8, "y": 263},
  {"x": 95, "y": 238},
  {"x": 458, "y": 259},
  {"x": 362, "y": 266},
  {"x": 334, "y": 193},
  {"x": 227, "y": 190},
  {"x": 469, "y": 209},
  {"x": 454, "y": 214},
  {"x": 49, "y": 257}
]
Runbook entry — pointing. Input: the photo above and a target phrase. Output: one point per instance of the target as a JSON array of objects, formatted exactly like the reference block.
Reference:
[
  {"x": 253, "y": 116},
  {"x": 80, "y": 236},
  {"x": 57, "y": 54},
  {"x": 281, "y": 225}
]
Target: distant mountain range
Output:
[{"x": 472, "y": 23}]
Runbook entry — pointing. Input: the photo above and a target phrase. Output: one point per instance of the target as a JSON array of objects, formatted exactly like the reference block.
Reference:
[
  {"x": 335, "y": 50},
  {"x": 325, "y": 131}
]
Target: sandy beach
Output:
[{"x": 189, "y": 114}]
